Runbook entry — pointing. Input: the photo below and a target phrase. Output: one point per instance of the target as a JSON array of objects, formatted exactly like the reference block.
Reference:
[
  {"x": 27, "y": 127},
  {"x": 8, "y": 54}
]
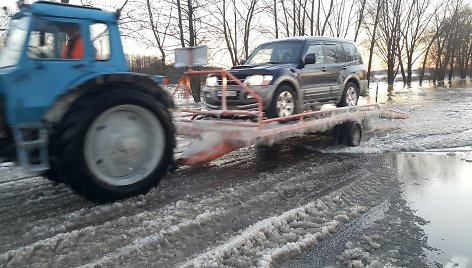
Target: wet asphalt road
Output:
[{"x": 305, "y": 203}]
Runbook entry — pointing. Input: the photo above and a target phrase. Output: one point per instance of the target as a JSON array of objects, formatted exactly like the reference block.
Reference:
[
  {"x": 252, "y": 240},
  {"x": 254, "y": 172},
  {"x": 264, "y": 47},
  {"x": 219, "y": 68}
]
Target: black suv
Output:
[{"x": 294, "y": 74}]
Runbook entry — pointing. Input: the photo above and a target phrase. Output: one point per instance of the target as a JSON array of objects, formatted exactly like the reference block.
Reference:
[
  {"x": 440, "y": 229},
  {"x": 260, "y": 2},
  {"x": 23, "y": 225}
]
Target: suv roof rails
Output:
[{"x": 65, "y": 5}]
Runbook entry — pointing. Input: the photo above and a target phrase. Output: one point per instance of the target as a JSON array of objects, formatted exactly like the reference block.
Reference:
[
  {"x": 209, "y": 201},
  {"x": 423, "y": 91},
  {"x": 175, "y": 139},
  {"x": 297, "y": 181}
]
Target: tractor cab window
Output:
[
  {"x": 55, "y": 40},
  {"x": 14, "y": 42},
  {"x": 100, "y": 36}
]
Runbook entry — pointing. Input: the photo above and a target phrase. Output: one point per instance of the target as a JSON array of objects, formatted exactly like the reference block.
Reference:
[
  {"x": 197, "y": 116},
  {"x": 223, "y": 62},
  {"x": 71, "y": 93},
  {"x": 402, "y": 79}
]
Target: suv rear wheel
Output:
[
  {"x": 284, "y": 102},
  {"x": 350, "y": 95}
]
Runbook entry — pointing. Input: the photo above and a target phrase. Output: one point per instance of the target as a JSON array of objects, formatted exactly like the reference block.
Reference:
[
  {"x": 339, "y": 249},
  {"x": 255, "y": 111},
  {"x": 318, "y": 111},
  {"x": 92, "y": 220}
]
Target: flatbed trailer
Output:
[{"x": 222, "y": 131}]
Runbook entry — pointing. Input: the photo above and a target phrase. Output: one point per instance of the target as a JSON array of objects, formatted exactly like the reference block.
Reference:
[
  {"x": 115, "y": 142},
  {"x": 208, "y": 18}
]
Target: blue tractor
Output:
[{"x": 78, "y": 115}]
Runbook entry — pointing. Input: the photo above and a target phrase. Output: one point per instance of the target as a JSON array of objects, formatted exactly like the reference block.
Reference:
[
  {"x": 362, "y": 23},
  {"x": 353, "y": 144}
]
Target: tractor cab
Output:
[{"x": 49, "y": 48}]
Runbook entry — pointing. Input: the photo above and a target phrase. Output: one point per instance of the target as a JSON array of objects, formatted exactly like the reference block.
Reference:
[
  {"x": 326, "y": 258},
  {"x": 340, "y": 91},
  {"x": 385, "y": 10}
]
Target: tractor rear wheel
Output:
[{"x": 115, "y": 144}]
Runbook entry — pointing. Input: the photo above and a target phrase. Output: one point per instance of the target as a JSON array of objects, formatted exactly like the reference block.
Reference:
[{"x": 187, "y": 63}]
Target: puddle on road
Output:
[{"x": 438, "y": 186}]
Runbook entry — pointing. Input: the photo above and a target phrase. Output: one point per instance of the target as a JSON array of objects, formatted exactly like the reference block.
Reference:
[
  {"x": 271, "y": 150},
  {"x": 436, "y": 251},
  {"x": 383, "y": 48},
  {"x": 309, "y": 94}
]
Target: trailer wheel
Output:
[
  {"x": 284, "y": 102},
  {"x": 352, "y": 133},
  {"x": 348, "y": 133},
  {"x": 350, "y": 95},
  {"x": 115, "y": 144}
]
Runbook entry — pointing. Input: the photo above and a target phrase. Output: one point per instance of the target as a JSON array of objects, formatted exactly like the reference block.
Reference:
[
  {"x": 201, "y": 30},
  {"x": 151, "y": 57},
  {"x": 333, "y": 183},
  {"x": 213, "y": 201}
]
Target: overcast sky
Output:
[{"x": 132, "y": 46}]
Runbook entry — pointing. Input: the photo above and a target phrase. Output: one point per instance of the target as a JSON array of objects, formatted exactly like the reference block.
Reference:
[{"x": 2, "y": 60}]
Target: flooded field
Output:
[{"x": 438, "y": 187}]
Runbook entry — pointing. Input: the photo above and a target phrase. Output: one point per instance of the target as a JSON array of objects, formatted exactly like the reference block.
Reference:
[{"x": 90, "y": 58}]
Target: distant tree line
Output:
[
  {"x": 152, "y": 65},
  {"x": 404, "y": 34}
]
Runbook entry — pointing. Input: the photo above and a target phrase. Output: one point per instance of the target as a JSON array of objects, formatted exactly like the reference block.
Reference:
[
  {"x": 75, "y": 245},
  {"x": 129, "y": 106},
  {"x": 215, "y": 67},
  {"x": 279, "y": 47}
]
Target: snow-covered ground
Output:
[{"x": 305, "y": 203}]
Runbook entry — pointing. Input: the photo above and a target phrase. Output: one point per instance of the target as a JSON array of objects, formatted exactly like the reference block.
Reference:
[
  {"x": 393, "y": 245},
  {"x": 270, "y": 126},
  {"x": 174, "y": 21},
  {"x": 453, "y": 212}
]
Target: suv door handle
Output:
[
  {"x": 323, "y": 69},
  {"x": 344, "y": 67}
]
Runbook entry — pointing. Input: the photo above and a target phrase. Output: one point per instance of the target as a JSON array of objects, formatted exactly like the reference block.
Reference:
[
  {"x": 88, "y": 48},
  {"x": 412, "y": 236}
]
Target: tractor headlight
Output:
[
  {"x": 212, "y": 81},
  {"x": 258, "y": 80}
]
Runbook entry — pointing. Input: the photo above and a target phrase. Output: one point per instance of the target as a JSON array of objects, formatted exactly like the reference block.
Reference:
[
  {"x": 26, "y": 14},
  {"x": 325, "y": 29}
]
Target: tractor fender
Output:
[{"x": 133, "y": 81}]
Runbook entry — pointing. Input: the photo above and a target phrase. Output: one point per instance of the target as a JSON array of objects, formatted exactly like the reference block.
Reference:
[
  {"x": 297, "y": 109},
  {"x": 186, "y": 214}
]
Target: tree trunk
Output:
[
  {"x": 360, "y": 20},
  {"x": 226, "y": 34},
  {"x": 181, "y": 28},
  {"x": 372, "y": 42},
  {"x": 330, "y": 11},
  {"x": 160, "y": 45},
  {"x": 400, "y": 64},
  {"x": 318, "y": 32},
  {"x": 276, "y": 20},
  {"x": 195, "y": 84},
  {"x": 425, "y": 60},
  {"x": 451, "y": 69},
  {"x": 312, "y": 18},
  {"x": 294, "y": 16}
]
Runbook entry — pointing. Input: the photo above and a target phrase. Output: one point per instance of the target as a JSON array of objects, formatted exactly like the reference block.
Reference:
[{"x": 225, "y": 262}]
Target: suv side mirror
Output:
[
  {"x": 242, "y": 61},
  {"x": 310, "y": 59}
]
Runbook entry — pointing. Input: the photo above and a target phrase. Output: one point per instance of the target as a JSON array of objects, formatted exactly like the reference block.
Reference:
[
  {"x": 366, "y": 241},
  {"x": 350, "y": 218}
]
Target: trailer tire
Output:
[
  {"x": 284, "y": 98},
  {"x": 350, "y": 95},
  {"x": 115, "y": 143},
  {"x": 348, "y": 133}
]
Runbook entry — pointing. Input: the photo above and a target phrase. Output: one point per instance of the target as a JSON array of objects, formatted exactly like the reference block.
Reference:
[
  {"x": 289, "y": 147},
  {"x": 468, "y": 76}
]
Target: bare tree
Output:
[
  {"x": 376, "y": 7},
  {"x": 436, "y": 29},
  {"x": 327, "y": 15},
  {"x": 360, "y": 17},
  {"x": 180, "y": 23},
  {"x": 343, "y": 14},
  {"x": 159, "y": 28},
  {"x": 251, "y": 10},
  {"x": 226, "y": 20},
  {"x": 464, "y": 42},
  {"x": 417, "y": 21},
  {"x": 445, "y": 44},
  {"x": 276, "y": 20},
  {"x": 390, "y": 18}
]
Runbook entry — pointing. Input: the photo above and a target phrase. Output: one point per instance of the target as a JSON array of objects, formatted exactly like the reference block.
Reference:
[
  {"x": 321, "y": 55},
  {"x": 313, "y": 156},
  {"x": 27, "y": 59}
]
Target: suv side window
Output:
[
  {"x": 334, "y": 53},
  {"x": 316, "y": 49},
  {"x": 350, "y": 52}
]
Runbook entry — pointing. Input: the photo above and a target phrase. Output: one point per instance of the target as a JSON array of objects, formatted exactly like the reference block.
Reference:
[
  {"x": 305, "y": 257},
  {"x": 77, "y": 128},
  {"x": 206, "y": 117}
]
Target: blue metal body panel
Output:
[
  {"x": 31, "y": 87},
  {"x": 46, "y": 8}
]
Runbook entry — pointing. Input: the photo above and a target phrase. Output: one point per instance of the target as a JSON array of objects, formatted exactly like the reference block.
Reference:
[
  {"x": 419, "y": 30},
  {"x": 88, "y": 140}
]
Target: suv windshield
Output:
[
  {"x": 14, "y": 41},
  {"x": 277, "y": 52}
]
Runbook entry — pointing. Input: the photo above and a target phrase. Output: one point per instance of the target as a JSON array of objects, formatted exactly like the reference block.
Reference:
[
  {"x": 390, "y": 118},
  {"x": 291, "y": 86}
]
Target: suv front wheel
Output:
[
  {"x": 350, "y": 95},
  {"x": 284, "y": 102}
]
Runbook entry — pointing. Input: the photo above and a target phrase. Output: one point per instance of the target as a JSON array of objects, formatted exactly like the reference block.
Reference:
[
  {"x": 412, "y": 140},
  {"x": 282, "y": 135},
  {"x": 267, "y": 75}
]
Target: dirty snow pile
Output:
[{"x": 279, "y": 237}]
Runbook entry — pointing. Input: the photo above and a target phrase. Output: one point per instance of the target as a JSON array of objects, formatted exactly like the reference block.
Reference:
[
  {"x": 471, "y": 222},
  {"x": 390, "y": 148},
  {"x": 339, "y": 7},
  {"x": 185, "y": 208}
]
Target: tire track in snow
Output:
[
  {"x": 179, "y": 244},
  {"x": 142, "y": 229},
  {"x": 275, "y": 238}
]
